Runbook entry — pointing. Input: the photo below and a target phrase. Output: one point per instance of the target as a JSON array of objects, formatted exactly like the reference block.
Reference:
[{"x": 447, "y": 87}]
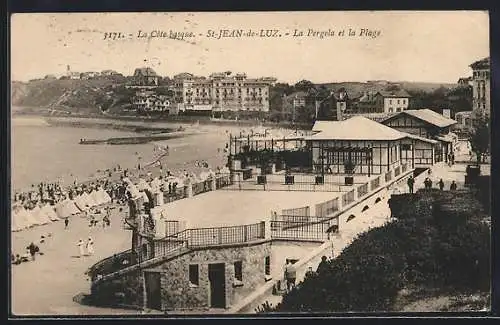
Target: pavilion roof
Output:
[{"x": 357, "y": 128}]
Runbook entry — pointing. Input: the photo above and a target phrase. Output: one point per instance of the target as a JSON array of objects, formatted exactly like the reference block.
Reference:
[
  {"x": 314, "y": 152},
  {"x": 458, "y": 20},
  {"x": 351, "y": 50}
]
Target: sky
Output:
[{"x": 402, "y": 46}]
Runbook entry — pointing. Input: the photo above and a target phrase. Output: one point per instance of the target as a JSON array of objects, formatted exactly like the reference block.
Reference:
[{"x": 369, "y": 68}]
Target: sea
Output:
[{"x": 45, "y": 153}]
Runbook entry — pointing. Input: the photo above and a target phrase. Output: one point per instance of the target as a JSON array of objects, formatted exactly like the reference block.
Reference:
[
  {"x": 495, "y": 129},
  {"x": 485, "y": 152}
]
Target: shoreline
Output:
[{"x": 148, "y": 122}]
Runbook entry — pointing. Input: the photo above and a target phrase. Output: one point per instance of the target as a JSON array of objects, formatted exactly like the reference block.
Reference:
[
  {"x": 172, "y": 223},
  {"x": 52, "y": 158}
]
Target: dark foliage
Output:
[{"x": 443, "y": 249}]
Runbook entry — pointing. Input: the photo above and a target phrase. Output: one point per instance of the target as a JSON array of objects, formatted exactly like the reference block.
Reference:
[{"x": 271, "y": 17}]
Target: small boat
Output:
[{"x": 87, "y": 141}]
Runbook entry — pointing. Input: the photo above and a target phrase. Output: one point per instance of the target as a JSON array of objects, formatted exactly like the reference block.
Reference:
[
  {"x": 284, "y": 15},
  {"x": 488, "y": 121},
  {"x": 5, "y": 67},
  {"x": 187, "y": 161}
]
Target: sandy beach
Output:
[{"x": 48, "y": 284}]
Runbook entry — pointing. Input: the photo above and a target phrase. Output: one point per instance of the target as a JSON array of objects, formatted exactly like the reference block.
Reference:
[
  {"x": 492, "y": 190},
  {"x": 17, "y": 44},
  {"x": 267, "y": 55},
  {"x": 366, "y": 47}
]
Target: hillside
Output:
[
  {"x": 96, "y": 95},
  {"x": 72, "y": 95}
]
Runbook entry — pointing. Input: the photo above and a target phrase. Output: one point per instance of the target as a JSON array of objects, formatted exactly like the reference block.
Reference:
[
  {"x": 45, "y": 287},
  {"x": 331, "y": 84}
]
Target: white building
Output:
[{"x": 481, "y": 87}]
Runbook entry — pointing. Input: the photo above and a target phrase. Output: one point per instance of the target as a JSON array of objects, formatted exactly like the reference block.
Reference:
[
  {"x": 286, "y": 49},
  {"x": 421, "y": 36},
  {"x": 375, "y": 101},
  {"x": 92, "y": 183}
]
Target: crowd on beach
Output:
[{"x": 48, "y": 202}]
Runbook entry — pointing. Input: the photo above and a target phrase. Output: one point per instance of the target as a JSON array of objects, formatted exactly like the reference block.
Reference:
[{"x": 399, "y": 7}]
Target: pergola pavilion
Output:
[{"x": 354, "y": 146}]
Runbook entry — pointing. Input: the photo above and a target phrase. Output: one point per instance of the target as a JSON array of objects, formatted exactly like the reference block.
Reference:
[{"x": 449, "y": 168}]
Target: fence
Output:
[
  {"x": 112, "y": 264},
  {"x": 201, "y": 187},
  {"x": 304, "y": 211},
  {"x": 362, "y": 190},
  {"x": 315, "y": 229},
  {"x": 375, "y": 183},
  {"x": 347, "y": 198},
  {"x": 388, "y": 176},
  {"x": 222, "y": 181},
  {"x": 326, "y": 208},
  {"x": 282, "y": 182}
]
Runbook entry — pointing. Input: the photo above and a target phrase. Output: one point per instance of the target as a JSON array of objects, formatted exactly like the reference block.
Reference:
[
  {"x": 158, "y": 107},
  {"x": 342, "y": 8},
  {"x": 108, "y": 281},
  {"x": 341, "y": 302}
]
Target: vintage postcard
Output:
[{"x": 250, "y": 163}]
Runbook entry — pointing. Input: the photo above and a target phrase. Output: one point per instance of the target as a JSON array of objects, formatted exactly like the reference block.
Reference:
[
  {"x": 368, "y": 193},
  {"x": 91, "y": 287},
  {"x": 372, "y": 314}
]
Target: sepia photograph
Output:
[{"x": 249, "y": 163}]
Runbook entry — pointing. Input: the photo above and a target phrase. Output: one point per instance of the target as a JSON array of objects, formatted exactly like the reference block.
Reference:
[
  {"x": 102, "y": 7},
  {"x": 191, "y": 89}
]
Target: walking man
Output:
[
  {"x": 66, "y": 223},
  {"x": 290, "y": 275},
  {"x": 323, "y": 265},
  {"x": 410, "y": 183},
  {"x": 453, "y": 186},
  {"x": 441, "y": 184},
  {"x": 33, "y": 249}
]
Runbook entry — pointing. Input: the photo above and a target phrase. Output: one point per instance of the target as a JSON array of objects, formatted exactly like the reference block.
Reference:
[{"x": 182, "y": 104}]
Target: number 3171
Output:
[{"x": 113, "y": 35}]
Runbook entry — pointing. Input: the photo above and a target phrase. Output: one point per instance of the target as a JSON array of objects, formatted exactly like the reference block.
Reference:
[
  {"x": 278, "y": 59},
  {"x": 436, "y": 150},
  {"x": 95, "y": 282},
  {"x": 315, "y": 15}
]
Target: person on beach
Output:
[
  {"x": 33, "y": 249},
  {"x": 309, "y": 272},
  {"x": 410, "y": 182},
  {"x": 90, "y": 246},
  {"x": 453, "y": 186},
  {"x": 323, "y": 265},
  {"x": 290, "y": 275},
  {"x": 66, "y": 223},
  {"x": 81, "y": 248},
  {"x": 441, "y": 184}
]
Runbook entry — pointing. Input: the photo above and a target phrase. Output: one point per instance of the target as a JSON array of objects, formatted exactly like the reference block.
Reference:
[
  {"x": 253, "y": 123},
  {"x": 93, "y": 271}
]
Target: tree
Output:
[
  {"x": 480, "y": 140},
  {"x": 304, "y": 85},
  {"x": 393, "y": 87}
]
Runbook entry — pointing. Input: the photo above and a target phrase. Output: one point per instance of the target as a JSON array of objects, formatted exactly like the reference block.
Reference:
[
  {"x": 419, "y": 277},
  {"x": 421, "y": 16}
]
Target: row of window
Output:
[
  {"x": 400, "y": 101},
  {"x": 481, "y": 74},
  {"x": 194, "y": 271}
]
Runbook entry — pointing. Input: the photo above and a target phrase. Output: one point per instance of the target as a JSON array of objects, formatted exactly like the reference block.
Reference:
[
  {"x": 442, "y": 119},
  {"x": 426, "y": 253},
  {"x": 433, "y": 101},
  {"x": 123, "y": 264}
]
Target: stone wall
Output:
[
  {"x": 126, "y": 290},
  {"x": 178, "y": 293}
]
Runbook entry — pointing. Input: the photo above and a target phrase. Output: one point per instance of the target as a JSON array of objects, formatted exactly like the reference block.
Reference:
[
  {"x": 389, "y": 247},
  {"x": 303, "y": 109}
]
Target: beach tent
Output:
[
  {"x": 60, "y": 210},
  {"x": 102, "y": 197},
  {"x": 44, "y": 214},
  {"x": 50, "y": 212},
  {"x": 30, "y": 217},
  {"x": 80, "y": 202},
  {"x": 88, "y": 200},
  {"x": 66, "y": 208},
  {"x": 23, "y": 218},
  {"x": 72, "y": 208},
  {"x": 95, "y": 198},
  {"x": 17, "y": 221},
  {"x": 38, "y": 216}
]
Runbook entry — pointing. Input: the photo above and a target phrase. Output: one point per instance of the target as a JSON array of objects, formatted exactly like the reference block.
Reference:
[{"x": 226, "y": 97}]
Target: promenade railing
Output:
[
  {"x": 302, "y": 228},
  {"x": 362, "y": 190},
  {"x": 327, "y": 208}
]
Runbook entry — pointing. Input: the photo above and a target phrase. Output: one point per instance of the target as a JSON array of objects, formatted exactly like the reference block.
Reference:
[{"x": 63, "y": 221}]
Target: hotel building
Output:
[
  {"x": 481, "y": 87},
  {"x": 222, "y": 92}
]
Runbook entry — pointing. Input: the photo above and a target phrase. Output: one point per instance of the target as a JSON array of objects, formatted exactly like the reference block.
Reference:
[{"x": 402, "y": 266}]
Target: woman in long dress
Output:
[
  {"x": 90, "y": 246},
  {"x": 81, "y": 248}
]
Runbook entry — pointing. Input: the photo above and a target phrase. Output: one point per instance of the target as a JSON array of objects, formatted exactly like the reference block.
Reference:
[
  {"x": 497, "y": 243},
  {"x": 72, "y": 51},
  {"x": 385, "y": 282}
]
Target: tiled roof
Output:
[
  {"x": 298, "y": 94},
  {"x": 416, "y": 137},
  {"x": 481, "y": 64},
  {"x": 356, "y": 128},
  {"x": 430, "y": 117},
  {"x": 148, "y": 72},
  {"x": 395, "y": 94}
]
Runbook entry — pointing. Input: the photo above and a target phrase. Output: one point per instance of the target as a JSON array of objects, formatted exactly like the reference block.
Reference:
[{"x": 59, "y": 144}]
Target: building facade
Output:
[
  {"x": 381, "y": 102},
  {"x": 371, "y": 147},
  {"x": 392, "y": 101},
  {"x": 481, "y": 87},
  {"x": 149, "y": 102},
  {"x": 426, "y": 124},
  {"x": 145, "y": 77},
  {"x": 223, "y": 92}
]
